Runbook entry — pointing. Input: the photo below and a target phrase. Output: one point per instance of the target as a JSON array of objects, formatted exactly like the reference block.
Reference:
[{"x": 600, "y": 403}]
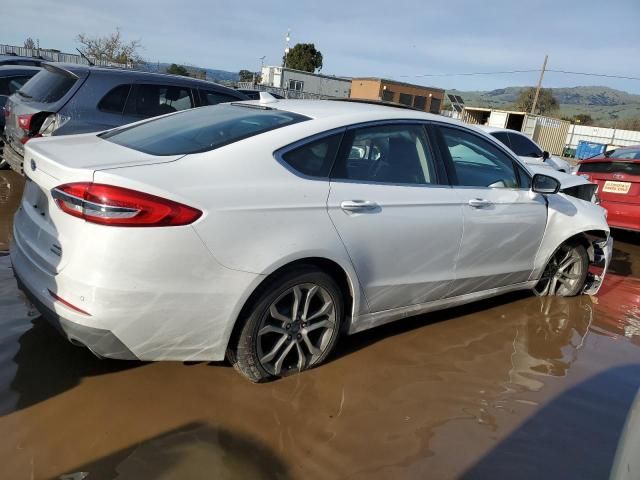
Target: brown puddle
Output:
[
  {"x": 516, "y": 387},
  {"x": 11, "y": 185}
]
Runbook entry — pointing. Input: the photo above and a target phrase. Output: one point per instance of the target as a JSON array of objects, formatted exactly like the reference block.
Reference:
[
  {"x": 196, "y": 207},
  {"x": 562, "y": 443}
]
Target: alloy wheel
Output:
[
  {"x": 296, "y": 329},
  {"x": 563, "y": 273}
]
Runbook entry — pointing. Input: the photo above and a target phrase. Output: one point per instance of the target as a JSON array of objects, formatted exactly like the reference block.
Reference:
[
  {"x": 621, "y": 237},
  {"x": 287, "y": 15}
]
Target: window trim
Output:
[{"x": 448, "y": 162}]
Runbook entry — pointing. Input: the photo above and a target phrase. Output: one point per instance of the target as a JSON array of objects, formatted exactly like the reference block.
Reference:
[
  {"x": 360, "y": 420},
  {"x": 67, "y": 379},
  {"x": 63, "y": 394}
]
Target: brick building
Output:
[{"x": 428, "y": 99}]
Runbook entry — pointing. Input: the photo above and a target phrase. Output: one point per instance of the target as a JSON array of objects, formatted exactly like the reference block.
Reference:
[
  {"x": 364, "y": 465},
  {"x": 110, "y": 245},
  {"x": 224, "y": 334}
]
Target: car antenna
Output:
[{"x": 91, "y": 64}]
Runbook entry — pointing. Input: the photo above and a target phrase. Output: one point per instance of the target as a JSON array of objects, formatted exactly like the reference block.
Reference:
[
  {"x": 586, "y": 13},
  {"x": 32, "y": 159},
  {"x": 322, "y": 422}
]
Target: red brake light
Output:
[
  {"x": 117, "y": 206},
  {"x": 24, "y": 122}
]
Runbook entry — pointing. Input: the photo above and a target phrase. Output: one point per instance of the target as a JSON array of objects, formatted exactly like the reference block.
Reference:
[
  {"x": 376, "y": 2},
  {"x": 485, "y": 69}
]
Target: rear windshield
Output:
[
  {"x": 47, "y": 86},
  {"x": 626, "y": 154},
  {"x": 200, "y": 129},
  {"x": 630, "y": 168}
]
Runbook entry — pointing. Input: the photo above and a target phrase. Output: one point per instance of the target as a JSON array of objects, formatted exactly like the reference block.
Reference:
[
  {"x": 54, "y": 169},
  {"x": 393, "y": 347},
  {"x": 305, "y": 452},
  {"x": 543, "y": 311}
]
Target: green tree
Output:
[
  {"x": 583, "y": 119},
  {"x": 246, "y": 75},
  {"x": 303, "y": 56},
  {"x": 546, "y": 104},
  {"x": 112, "y": 48},
  {"x": 175, "y": 69}
]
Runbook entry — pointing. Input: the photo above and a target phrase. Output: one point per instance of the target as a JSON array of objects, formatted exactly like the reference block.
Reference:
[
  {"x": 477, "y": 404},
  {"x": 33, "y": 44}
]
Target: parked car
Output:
[
  {"x": 265, "y": 230},
  {"x": 617, "y": 174},
  {"x": 528, "y": 150},
  {"x": 255, "y": 94},
  {"x": 12, "y": 77},
  {"x": 23, "y": 61},
  {"x": 66, "y": 99}
]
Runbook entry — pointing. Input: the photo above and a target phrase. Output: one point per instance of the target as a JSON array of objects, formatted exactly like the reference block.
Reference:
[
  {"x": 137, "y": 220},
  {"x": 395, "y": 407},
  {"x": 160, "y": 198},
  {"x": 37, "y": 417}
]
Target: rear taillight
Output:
[
  {"x": 122, "y": 207},
  {"x": 24, "y": 122}
]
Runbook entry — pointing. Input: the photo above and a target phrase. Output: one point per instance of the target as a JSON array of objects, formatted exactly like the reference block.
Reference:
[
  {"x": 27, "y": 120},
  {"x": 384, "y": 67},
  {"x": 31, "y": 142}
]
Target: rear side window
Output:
[
  {"x": 114, "y": 101},
  {"x": 48, "y": 86},
  {"x": 200, "y": 129},
  {"x": 315, "y": 158},
  {"x": 213, "y": 98},
  {"x": 523, "y": 147},
  {"x": 153, "y": 100}
]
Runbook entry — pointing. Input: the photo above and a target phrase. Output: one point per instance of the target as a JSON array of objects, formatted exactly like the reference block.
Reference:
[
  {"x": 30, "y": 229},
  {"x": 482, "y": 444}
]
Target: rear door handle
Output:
[
  {"x": 358, "y": 205},
  {"x": 479, "y": 203}
]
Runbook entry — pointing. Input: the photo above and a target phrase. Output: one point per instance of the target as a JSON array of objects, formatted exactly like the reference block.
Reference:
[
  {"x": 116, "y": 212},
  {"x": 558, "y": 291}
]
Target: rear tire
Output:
[
  {"x": 566, "y": 272},
  {"x": 291, "y": 325}
]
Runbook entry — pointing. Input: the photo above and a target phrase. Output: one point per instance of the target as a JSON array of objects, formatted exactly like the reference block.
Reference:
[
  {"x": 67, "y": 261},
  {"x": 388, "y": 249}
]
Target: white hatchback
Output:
[{"x": 264, "y": 230}]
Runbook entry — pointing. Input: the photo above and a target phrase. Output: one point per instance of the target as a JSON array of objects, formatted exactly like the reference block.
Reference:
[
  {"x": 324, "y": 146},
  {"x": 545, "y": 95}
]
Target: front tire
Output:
[
  {"x": 292, "y": 325},
  {"x": 566, "y": 272}
]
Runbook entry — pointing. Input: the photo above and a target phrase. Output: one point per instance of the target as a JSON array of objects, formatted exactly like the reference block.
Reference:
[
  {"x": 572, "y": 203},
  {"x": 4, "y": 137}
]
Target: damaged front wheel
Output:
[{"x": 566, "y": 272}]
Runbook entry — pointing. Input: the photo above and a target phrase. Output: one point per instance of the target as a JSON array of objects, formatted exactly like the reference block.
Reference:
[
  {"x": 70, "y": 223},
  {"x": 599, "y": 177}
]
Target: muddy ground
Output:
[{"x": 515, "y": 387}]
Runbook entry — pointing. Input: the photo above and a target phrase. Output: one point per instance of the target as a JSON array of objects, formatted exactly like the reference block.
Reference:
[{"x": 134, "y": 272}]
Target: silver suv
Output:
[{"x": 66, "y": 99}]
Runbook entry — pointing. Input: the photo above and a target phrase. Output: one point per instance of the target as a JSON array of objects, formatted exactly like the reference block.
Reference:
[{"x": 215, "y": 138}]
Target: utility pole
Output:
[
  {"x": 286, "y": 50},
  {"x": 535, "y": 99}
]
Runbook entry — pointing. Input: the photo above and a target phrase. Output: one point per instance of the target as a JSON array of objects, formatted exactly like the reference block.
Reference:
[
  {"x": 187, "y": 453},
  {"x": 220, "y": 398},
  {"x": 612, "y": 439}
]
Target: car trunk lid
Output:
[
  {"x": 44, "y": 232},
  {"x": 618, "y": 181}
]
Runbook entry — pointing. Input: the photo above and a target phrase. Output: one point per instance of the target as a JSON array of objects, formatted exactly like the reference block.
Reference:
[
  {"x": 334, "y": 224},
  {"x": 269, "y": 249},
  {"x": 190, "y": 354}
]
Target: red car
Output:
[{"x": 617, "y": 175}]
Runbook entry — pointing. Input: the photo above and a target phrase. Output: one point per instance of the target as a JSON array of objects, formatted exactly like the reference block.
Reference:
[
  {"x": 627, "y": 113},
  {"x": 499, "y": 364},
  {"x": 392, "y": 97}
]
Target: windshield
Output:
[
  {"x": 201, "y": 129},
  {"x": 48, "y": 86}
]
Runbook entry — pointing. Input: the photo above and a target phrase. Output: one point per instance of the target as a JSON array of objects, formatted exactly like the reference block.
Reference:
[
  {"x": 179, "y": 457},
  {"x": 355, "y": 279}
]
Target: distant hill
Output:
[
  {"x": 221, "y": 76},
  {"x": 604, "y": 104}
]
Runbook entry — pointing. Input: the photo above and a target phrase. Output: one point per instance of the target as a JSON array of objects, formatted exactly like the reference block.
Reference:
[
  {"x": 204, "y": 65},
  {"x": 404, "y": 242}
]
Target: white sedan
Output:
[
  {"x": 262, "y": 231},
  {"x": 528, "y": 150}
]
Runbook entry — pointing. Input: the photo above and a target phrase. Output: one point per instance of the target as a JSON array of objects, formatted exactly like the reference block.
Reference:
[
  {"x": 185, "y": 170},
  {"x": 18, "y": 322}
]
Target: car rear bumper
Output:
[
  {"x": 622, "y": 215},
  {"x": 102, "y": 343},
  {"x": 13, "y": 158},
  {"x": 181, "y": 306}
]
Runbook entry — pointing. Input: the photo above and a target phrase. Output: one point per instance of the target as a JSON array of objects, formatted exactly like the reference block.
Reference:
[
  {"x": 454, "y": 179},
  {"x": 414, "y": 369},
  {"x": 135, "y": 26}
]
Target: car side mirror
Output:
[
  {"x": 545, "y": 155},
  {"x": 544, "y": 184}
]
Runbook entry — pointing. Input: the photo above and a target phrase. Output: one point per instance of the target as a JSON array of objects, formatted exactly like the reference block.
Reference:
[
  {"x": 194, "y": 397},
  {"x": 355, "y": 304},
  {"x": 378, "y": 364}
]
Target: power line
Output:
[
  {"x": 595, "y": 74},
  {"x": 519, "y": 71}
]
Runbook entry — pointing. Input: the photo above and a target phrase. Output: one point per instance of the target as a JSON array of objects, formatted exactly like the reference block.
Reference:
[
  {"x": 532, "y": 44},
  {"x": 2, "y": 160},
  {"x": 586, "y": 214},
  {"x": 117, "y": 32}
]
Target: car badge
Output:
[
  {"x": 33, "y": 165},
  {"x": 618, "y": 176}
]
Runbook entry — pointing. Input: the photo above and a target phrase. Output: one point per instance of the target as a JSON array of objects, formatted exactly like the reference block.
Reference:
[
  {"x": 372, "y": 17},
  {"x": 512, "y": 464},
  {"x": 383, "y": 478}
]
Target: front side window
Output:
[
  {"x": 153, "y": 100},
  {"x": 523, "y": 147},
  {"x": 397, "y": 154},
  {"x": 476, "y": 162},
  {"x": 315, "y": 158},
  {"x": 200, "y": 129}
]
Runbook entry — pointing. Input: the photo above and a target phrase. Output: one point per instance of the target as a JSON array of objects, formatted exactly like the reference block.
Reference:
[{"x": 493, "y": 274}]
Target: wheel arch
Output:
[{"x": 344, "y": 277}]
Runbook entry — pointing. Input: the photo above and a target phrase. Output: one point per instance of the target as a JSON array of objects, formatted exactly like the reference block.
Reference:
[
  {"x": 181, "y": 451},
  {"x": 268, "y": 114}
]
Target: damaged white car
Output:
[{"x": 263, "y": 231}]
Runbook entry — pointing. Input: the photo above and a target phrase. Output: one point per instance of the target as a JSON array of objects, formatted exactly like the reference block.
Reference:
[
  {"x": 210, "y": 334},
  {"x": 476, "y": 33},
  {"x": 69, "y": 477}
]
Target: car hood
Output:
[{"x": 566, "y": 180}]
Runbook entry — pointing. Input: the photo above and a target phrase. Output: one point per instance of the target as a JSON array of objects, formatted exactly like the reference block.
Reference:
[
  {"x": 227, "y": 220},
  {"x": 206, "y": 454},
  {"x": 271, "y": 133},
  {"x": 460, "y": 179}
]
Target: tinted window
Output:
[
  {"x": 115, "y": 100},
  {"x": 315, "y": 158},
  {"x": 406, "y": 99},
  {"x": 631, "y": 168},
  {"x": 201, "y": 129},
  {"x": 419, "y": 102},
  {"x": 502, "y": 137},
  {"x": 477, "y": 163},
  {"x": 10, "y": 85},
  {"x": 154, "y": 100},
  {"x": 214, "y": 98},
  {"x": 386, "y": 153},
  {"x": 435, "y": 105},
  {"x": 524, "y": 147},
  {"x": 48, "y": 86}
]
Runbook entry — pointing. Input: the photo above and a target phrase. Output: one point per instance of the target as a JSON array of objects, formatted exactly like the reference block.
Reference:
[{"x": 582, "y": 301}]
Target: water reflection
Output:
[{"x": 11, "y": 186}]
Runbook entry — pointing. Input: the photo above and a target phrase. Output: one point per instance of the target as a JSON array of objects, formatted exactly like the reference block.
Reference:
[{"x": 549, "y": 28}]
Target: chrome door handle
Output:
[
  {"x": 479, "y": 203},
  {"x": 358, "y": 205}
]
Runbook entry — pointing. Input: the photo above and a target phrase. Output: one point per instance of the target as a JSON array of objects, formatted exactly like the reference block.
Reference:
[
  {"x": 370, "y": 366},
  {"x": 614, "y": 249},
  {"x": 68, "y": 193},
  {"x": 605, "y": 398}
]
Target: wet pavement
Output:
[{"x": 515, "y": 387}]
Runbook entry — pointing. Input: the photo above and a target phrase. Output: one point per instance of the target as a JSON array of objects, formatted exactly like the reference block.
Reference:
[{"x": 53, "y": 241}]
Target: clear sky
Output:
[{"x": 394, "y": 39}]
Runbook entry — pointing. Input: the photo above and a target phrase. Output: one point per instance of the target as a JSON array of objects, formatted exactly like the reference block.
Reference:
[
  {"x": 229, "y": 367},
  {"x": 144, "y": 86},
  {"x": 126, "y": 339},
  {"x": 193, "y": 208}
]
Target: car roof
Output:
[
  {"x": 489, "y": 129},
  {"x": 349, "y": 111},
  {"x": 80, "y": 69},
  {"x": 6, "y": 70}
]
